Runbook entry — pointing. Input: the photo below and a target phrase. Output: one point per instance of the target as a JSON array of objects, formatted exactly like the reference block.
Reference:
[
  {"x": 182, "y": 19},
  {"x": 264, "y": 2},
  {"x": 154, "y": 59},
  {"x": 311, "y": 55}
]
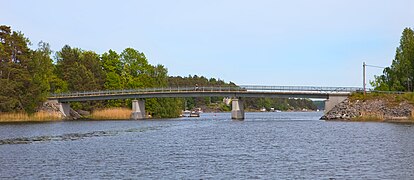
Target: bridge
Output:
[{"x": 332, "y": 95}]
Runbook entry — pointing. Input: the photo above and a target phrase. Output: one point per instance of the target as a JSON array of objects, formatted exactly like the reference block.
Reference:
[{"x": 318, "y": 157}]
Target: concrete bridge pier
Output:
[
  {"x": 138, "y": 109},
  {"x": 332, "y": 101},
  {"x": 237, "y": 111},
  {"x": 64, "y": 108}
]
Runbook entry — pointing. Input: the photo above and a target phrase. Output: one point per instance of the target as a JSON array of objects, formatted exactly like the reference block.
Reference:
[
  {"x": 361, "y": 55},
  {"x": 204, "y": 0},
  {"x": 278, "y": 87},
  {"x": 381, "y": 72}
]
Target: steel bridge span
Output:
[{"x": 333, "y": 95}]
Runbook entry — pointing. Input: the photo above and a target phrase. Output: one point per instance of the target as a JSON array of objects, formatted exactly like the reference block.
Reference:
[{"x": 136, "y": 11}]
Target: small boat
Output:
[
  {"x": 188, "y": 113},
  {"x": 194, "y": 114}
]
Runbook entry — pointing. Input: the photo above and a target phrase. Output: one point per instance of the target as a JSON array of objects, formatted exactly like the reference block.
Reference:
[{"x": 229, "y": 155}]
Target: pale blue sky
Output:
[{"x": 264, "y": 42}]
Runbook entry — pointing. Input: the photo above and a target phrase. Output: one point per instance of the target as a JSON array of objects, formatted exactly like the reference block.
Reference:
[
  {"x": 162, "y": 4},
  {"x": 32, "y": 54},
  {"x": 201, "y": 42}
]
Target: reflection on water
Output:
[{"x": 265, "y": 145}]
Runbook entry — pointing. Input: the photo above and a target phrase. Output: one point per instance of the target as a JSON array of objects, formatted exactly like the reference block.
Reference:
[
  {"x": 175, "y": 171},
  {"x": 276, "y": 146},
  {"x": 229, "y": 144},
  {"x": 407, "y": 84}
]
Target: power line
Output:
[
  {"x": 364, "y": 84},
  {"x": 374, "y": 66}
]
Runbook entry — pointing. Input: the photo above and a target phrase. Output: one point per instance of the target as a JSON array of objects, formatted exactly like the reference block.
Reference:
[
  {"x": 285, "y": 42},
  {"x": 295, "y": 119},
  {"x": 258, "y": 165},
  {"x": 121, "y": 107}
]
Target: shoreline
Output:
[{"x": 406, "y": 121}]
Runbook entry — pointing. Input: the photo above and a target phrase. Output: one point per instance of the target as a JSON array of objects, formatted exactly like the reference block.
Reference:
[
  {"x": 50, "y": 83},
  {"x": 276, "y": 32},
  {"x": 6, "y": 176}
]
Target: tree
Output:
[
  {"x": 41, "y": 71},
  {"x": 400, "y": 75},
  {"x": 23, "y": 73},
  {"x": 113, "y": 68},
  {"x": 91, "y": 61},
  {"x": 136, "y": 62},
  {"x": 81, "y": 70}
]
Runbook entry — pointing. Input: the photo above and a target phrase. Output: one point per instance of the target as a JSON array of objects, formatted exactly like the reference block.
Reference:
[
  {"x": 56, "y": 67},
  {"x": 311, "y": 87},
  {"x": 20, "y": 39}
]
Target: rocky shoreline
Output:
[{"x": 371, "y": 110}]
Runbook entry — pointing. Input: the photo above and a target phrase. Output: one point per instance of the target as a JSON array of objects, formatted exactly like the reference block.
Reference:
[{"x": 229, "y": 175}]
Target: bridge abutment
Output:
[
  {"x": 332, "y": 101},
  {"x": 64, "y": 108},
  {"x": 237, "y": 111},
  {"x": 138, "y": 109}
]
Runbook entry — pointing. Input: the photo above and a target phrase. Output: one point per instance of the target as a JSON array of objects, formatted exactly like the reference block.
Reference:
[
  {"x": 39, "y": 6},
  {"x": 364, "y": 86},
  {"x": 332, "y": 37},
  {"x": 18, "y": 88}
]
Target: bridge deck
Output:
[{"x": 242, "y": 91}]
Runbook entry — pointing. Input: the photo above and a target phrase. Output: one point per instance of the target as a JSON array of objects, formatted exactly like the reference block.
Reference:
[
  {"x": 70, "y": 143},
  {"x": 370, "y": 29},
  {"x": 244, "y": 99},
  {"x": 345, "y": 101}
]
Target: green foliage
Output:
[
  {"x": 113, "y": 67},
  {"x": 372, "y": 95},
  {"x": 81, "y": 70},
  {"x": 400, "y": 75},
  {"x": 392, "y": 99},
  {"x": 409, "y": 97},
  {"x": 24, "y": 73},
  {"x": 357, "y": 96},
  {"x": 163, "y": 107},
  {"x": 223, "y": 107},
  {"x": 28, "y": 76}
]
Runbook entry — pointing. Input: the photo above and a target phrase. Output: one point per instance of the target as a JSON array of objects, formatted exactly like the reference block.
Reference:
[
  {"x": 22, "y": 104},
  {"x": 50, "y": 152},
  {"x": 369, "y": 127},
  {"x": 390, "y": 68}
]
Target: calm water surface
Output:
[{"x": 264, "y": 146}]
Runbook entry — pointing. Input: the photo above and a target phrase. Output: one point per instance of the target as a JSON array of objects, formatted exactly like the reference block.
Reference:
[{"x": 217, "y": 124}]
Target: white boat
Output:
[{"x": 188, "y": 113}]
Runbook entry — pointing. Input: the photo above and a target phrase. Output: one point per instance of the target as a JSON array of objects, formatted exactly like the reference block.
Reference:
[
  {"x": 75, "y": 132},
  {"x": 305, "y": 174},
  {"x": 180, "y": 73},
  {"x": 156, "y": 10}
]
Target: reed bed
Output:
[
  {"x": 111, "y": 114},
  {"x": 41, "y": 116}
]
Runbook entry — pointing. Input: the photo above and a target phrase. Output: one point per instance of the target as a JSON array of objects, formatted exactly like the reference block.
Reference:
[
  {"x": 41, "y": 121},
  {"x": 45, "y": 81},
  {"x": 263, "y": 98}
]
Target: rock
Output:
[
  {"x": 83, "y": 113},
  {"x": 74, "y": 114},
  {"x": 347, "y": 110}
]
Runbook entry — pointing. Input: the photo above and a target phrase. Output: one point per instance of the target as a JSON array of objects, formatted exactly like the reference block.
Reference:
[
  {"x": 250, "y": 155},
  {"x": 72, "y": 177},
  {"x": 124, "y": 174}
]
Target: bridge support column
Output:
[
  {"x": 64, "y": 108},
  {"x": 332, "y": 101},
  {"x": 237, "y": 111},
  {"x": 138, "y": 109}
]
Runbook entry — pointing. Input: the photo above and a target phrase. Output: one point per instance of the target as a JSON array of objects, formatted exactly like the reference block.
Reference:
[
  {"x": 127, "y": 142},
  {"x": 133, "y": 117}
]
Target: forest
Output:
[{"x": 27, "y": 77}]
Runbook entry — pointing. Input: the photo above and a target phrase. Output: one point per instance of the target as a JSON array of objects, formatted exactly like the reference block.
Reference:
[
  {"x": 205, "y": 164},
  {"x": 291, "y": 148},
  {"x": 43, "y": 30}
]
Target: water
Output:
[{"x": 264, "y": 146}]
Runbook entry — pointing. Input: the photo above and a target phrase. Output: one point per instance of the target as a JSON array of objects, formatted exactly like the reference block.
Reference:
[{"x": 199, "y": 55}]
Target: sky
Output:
[{"x": 260, "y": 42}]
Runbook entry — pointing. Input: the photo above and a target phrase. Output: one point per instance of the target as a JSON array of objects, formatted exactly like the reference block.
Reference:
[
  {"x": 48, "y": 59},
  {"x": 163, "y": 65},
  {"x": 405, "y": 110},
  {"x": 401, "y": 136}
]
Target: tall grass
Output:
[
  {"x": 41, "y": 116},
  {"x": 409, "y": 97},
  {"x": 111, "y": 113},
  {"x": 370, "y": 116}
]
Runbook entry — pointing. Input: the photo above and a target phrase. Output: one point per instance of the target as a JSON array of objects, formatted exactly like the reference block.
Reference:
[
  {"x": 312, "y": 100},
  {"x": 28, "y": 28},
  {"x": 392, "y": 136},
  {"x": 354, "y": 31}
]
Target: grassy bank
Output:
[
  {"x": 36, "y": 117},
  {"x": 391, "y": 98},
  {"x": 111, "y": 114}
]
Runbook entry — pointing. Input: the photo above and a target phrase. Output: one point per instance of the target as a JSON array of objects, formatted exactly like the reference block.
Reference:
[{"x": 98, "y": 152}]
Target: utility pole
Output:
[
  {"x": 364, "y": 66},
  {"x": 363, "y": 78}
]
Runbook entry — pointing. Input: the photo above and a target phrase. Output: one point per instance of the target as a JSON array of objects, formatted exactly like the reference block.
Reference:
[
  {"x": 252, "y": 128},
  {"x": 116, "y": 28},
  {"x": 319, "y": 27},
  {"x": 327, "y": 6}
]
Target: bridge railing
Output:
[
  {"x": 148, "y": 90},
  {"x": 302, "y": 88},
  {"x": 210, "y": 89}
]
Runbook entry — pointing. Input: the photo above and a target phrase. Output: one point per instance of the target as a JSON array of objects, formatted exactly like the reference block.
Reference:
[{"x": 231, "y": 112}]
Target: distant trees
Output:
[
  {"x": 283, "y": 104},
  {"x": 190, "y": 81},
  {"x": 400, "y": 75}
]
